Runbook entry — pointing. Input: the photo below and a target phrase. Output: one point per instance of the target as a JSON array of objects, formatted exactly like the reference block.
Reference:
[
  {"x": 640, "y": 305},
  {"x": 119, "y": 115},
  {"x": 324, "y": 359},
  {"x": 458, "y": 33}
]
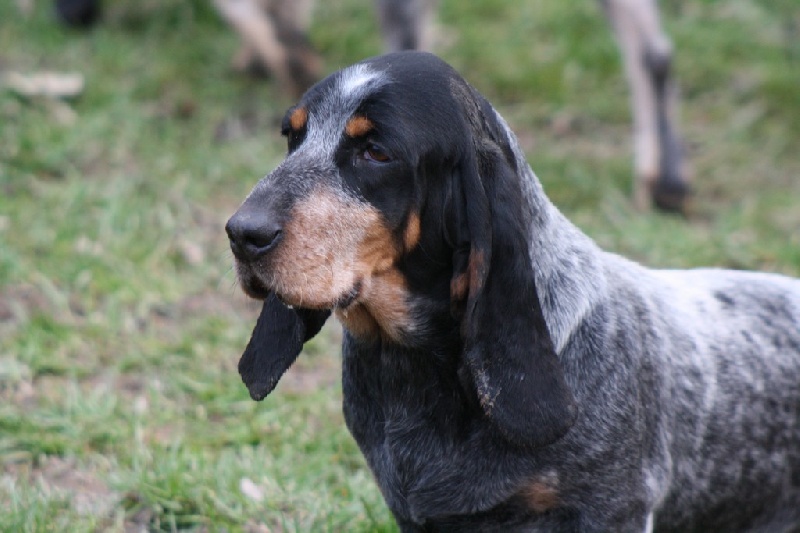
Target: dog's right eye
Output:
[{"x": 376, "y": 153}]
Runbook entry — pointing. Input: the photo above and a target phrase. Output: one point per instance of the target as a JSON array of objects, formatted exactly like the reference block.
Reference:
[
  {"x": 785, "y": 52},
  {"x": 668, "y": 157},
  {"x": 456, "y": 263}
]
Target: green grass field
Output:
[{"x": 120, "y": 320}]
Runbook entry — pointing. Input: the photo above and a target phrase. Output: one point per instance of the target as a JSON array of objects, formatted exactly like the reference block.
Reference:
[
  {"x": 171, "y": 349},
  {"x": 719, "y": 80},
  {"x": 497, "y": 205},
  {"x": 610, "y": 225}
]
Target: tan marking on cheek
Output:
[
  {"x": 383, "y": 308},
  {"x": 358, "y": 126},
  {"x": 542, "y": 494},
  {"x": 389, "y": 305},
  {"x": 298, "y": 118},
  {"x": 412, "y": 234},
  {"x": 331, "y": 245},
  {"x": 317, "y": 261},
  {"x": 377, "y": 251}
]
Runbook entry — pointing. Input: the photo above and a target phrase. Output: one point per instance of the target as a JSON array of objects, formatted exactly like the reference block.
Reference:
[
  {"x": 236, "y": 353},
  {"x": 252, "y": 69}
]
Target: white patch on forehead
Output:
[
  {"x": 357, "y": 80},
  {"x": 327, "y": 120}
]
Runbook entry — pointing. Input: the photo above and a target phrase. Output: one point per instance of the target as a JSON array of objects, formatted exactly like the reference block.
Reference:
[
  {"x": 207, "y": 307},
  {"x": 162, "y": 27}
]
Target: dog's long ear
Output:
[
  {"x": 507, "y": 346},
  {"x": 276, "y": 342}
]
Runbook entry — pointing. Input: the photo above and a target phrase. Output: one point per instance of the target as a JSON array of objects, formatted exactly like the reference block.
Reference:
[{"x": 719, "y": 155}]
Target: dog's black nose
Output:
[{"x": 252, "y": 234}]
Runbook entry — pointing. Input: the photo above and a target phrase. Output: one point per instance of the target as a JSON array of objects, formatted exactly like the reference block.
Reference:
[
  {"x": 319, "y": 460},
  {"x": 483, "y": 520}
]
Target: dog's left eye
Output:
[{"x": 376, "y": 153}]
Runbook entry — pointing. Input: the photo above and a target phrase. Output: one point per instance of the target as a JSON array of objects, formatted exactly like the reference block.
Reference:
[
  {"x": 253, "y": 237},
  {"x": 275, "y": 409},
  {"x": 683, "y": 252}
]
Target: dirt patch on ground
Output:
[
  {"x": 64, "y": 479},
  {"x": 87, "y": 493},
  {"x": 19, "y": 302}
]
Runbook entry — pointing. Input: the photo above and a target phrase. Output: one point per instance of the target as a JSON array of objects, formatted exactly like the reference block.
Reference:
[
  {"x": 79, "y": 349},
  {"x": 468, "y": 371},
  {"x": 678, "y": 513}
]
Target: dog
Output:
[{"x": 500, "y": 371}]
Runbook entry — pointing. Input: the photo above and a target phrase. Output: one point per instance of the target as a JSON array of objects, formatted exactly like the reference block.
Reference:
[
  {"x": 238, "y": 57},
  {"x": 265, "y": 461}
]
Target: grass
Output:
[{"x": 120, "y": 321}]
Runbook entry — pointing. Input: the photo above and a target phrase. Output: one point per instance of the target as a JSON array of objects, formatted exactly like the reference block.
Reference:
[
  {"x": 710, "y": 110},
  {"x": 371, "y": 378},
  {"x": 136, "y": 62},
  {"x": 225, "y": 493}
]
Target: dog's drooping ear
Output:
[
  {"x": 507, "y": 346},
  {"x": 276, "y": 342}
]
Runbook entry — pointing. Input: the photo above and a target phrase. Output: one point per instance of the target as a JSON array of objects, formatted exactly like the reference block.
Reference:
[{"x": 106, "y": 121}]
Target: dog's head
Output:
[{"x": 401, "y": 189}]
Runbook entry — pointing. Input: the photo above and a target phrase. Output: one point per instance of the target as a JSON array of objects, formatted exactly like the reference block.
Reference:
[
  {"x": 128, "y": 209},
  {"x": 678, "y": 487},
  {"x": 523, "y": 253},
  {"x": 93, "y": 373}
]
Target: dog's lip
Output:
[{"x": 343, "y": 302}]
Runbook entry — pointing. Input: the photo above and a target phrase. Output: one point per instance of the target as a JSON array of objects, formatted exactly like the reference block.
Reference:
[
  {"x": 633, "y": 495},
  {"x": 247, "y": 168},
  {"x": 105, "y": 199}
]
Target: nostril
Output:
[
  {"x": 262, "y": 238},
  {"x": 251, "y": 237}
]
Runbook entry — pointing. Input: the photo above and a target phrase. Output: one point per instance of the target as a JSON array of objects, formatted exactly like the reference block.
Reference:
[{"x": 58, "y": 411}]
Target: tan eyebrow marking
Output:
[
  {"x": 298, "y": 118},
  {"x": 358, "y": 126}
]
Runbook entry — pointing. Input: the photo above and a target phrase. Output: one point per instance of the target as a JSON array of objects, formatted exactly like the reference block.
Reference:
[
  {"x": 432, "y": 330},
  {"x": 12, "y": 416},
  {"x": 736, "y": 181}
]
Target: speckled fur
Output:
[{"x": 663, "y": 400}]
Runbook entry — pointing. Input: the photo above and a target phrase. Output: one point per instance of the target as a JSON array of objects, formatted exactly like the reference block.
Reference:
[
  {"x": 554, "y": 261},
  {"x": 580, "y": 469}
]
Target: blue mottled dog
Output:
[{"x": 501, "y": 372}]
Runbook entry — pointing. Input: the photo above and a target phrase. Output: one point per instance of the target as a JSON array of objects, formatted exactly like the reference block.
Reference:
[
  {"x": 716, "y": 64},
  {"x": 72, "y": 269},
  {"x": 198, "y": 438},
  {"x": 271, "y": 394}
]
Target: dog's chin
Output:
[
  {"x": 254, "y": 288},
  {"x": 341, "y": 302}
]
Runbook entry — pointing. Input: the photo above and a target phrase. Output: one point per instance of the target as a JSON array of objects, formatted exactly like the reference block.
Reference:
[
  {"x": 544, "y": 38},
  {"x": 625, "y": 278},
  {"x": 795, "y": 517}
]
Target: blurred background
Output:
[{"x": 120, "y": 320}]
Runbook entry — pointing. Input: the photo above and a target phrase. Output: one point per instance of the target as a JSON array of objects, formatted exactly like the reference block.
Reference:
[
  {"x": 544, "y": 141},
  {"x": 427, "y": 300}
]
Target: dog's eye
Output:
[{"x": 376, "y": 153}]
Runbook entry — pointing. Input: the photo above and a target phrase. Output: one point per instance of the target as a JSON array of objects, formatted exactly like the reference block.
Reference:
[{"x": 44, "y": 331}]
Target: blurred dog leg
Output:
[
  {"x": 661, "y": 176},
  {"x": 292, "y": 18},
  {"x": 406, "y": 24},
  {"x": 293, "y": 64},
  {"x": 25, "y": 7},
  {"x": 77, "y": 13}
]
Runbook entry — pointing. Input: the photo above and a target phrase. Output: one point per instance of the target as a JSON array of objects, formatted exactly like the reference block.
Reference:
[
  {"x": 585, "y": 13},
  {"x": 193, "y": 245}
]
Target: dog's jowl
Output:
[{"x": 500, "y": 371}]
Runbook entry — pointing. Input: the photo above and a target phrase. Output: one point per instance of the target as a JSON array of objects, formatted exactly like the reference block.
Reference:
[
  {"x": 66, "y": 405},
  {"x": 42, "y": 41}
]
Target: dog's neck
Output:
[{"x": 562, "y": 256}]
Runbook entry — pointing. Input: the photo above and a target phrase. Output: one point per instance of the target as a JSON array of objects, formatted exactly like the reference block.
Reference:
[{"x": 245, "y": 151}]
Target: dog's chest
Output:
[
  {"x": 404, "y": 412},
  {"x": 415, "y": 423}
]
